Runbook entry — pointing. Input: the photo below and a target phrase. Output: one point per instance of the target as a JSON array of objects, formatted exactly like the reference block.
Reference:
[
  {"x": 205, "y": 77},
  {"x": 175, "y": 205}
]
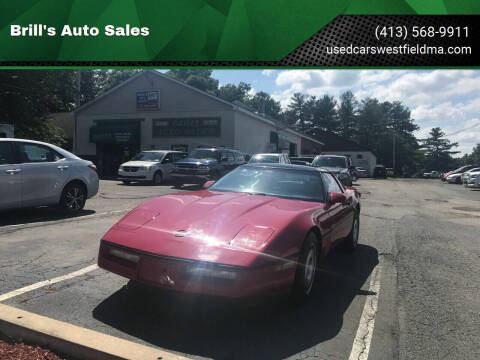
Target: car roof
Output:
[
  {"x": 332, "y": 155},
  {"x": 163, "y": 151},
  {"x": 286, "y": 166},
  {"x": 260, "y": 154}
]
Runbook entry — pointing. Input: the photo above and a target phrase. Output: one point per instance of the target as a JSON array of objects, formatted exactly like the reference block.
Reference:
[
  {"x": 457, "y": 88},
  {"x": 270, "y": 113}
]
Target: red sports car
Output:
[{"x": 259, "y": 229}]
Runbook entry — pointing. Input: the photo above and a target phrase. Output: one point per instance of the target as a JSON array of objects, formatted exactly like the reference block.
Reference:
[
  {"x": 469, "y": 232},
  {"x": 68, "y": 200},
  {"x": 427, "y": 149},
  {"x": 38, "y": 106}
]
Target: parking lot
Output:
[{"x": 411, "y": 291}]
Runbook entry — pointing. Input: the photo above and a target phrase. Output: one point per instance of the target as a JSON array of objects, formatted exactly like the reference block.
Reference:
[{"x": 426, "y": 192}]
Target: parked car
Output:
[
  {"x": 432, "y": 175},
  {"x": 460, "y": 170},
  {"x": 456, "y": 176},
  {"x": 474, "y": 180},
  {"x": 259, "y": 229},
  {"x": 339, "y": 165},
  {"x": 277, "y": 158},
  {"x": 34, "y": 173},
  {"x": 149, "y": 166},
  {"x": 204, "y": 164},
  {"x": 360, "y": 172},
  {"x": 470, "y": 173},
  {"x": 306, "y": 159},
  {"x": 390, "y": 171},
  {"x": 380, "y": 171}
]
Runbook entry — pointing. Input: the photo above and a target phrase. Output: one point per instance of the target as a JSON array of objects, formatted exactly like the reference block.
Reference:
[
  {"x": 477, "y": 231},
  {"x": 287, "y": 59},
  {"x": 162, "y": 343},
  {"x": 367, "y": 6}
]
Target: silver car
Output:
[{"x": 34, "y": 173}]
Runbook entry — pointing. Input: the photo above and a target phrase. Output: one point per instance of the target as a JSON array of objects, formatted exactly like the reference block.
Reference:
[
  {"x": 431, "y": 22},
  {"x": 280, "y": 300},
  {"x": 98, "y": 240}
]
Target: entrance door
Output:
[{"x": 111, "y": 156}]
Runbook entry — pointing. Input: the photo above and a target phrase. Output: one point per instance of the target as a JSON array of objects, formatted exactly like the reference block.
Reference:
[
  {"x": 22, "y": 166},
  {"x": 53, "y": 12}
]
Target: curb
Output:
[{"x": 71, "y": 340}]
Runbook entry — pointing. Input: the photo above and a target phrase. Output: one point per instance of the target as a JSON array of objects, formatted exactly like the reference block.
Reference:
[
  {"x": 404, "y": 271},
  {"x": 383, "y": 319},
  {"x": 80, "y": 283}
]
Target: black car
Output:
[
  {"x": 340, "y": 165},
  {"x": 302, "y": 160},
  {"x": 380, "y": 172},
  {"x": 204, "y": 164}
]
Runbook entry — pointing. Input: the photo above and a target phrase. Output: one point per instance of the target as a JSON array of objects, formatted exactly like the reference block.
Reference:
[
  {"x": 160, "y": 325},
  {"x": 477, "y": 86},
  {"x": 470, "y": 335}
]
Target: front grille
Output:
[{"x": 130, "y": 168}]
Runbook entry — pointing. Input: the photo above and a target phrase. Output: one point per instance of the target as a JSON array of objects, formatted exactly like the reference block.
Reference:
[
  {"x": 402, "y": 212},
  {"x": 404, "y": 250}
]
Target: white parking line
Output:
[
  {"x": 363, "y": 338},
  {"x": 40, "y": 284}
]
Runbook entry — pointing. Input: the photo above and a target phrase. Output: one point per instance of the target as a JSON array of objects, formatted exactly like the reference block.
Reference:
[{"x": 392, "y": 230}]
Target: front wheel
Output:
[
  {"x": 73, "y": 198},
  {"x": 157, "y": 178},
  {"x": 351, "y": 242},
  {"x": 306, "y": 268}
]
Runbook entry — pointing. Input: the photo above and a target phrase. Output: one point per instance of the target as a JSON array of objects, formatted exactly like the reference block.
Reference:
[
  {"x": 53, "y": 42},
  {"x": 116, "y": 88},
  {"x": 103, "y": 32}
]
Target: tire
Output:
[
  {"x": 458, "y": 180},
  {"x": 157, "y": 178},
  {"x": 73, "y": 198},
  {"x": 177, "y": 183},
  {"x": 126, "y": 182},
  {"x": 351, "y": 241},
  {"x": 306, "y": 268}
]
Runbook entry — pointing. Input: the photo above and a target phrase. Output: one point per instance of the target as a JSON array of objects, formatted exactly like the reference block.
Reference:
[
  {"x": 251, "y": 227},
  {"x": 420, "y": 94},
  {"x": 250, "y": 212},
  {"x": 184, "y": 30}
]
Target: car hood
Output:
[
  {"x": 335, "y": 170},
  {"x": 228, "y": 228},
  {"x": 192, "y": 161},
  {"x": 139, "y": 163}
]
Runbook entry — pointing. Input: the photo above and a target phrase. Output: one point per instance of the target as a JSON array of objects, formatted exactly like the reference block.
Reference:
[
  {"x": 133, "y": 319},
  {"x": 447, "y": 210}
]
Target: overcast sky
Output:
[{"x": 449, "y": 99}]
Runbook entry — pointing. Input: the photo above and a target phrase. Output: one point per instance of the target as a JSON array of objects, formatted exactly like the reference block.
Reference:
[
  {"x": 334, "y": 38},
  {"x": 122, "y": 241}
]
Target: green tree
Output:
[
  {"x": 200, "y": 79},
  {"x": 263, "y": 103},
  {"x": 347, "y": 115},
  {"x": 297, "y": 113},
  {"x": 231, "y": 92},
  {"x": 438, "y": 151},
  {"x": 322, "y": 114}
]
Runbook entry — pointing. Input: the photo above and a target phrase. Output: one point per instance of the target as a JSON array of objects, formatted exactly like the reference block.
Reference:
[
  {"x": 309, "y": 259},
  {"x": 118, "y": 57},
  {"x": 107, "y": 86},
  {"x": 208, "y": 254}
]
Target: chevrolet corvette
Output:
[{"x": 262, "y": 228}]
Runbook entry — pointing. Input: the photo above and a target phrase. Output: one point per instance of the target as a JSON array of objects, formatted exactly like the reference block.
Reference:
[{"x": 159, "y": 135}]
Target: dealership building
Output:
[{"x": 151, "y": 111}]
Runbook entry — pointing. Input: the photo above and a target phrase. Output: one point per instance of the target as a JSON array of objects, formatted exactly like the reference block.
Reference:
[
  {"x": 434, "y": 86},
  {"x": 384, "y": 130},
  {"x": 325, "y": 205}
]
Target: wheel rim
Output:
[
  {"x": 74, "y": 198},
  {"x": 355, "y": 231},
  {"x": 157, "y": 178},
  {"x": 310, "y": 268}
]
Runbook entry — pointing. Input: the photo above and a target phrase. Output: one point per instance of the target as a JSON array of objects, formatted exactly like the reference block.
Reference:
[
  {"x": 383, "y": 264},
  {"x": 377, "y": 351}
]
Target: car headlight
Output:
[
  {"x": 145, "y": 167},
  {"x": 120, "y": 168},
  {"x": 212, "y": 273}
]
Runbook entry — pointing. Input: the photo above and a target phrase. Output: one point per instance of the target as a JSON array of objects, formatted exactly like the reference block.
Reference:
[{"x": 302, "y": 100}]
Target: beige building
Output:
[{"x": 154, "y": 111}]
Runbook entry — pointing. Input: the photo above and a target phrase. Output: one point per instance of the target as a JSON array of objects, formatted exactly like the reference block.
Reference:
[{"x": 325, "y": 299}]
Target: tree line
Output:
[{"x": 28, "y": 97}]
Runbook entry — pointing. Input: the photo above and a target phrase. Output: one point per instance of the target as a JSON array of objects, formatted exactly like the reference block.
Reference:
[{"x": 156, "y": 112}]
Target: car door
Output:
[
  {"x": 45, "y": 173},
  {"x": 167, "y": 164},
  {"x": 10, "y": 177}
]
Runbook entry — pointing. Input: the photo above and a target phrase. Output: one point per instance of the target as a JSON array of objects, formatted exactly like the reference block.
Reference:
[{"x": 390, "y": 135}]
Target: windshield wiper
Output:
[{"x": 256, "y": 193}]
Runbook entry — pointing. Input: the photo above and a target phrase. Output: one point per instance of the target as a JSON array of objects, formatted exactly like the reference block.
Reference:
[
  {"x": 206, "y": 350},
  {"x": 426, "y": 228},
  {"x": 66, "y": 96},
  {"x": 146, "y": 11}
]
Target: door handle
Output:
[
  {"x": 13, "y": 171},
  {"x": 62, "y": 167}
]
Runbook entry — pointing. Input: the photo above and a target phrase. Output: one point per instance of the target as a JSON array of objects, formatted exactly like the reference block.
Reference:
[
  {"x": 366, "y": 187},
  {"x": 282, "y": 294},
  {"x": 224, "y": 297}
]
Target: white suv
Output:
[
  {"x": 153, "y": 166},
  {"x": 33, "y": 173}
]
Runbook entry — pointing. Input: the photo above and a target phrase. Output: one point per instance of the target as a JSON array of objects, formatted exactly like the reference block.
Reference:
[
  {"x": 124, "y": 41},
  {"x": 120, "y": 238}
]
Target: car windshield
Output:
[
  {"x": 265, "y": 159},
  {"x": 205, "y": 154},
  {"x": 329, "y": 161},
  {"x": 284, "y": 183},
  {"x": 149, "y": 156}
]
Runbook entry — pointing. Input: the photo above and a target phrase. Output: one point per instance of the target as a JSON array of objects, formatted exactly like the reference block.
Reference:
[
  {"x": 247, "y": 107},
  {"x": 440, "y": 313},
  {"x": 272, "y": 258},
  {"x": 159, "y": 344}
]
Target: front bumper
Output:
[
  {"x": 191, "y": 176},
  {"x": 135, "y": 176},
  {"x": 181, "y": 274}
]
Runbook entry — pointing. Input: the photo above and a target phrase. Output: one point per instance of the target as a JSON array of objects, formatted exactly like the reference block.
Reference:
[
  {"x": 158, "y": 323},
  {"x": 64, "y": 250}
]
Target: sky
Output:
[{"x": 449, "y": 99}]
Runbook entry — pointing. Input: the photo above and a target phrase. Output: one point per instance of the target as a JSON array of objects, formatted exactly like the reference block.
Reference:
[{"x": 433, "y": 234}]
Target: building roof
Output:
[
  {"x": 335, "y": 142},
  {"x": 216, "y": 98}
]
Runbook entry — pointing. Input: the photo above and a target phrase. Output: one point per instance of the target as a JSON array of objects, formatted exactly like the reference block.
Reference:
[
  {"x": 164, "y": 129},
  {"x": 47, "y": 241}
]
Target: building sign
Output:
[
  {"x": 115, "y": 133},
  {"x": 147, "y": 100},
  {"x": 186, "y": 127}
]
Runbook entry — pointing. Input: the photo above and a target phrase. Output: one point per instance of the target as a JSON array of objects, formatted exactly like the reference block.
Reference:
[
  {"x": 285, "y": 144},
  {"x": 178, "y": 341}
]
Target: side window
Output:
[
  {"x": 33, "y": 153},
  {"x": 6, "y": 153},
  {"x": 168, "y": 159},
  {"x": 230, "y": 156},
  {"x": 331, "y": 184}
]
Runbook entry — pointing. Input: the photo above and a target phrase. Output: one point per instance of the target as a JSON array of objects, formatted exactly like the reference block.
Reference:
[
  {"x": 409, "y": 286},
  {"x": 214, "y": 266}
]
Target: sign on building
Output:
[
  {"x": 186, "y": 127},
  {"x": 147, "y": 100}
]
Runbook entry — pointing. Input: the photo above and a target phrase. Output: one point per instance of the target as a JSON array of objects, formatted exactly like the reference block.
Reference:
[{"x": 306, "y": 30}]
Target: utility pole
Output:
[{"x": 77, "y": 105}]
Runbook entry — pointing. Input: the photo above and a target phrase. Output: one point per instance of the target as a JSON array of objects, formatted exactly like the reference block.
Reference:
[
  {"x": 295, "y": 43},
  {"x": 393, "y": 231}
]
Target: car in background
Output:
[
  {"x": 460, "y": 170},
  {"x": 34, "y": 173},
  {"x": 474, "y": 180},
  {"x": 262, "y": 228},
  {"x": 380, "y": 171},
  {"x": 390, "y": 171},
  {"x": 150, "y": 166},
  {"x": 360, "y": 172},
  {"x": 432, "y": 175},
  {"x": 206, "y": 163},
  {"x": 455, "y": 177},
  {"x": 272, "y": 158},
  {"x": 302, "y": 159},
  {"x": 339, "y": 165},
  {"x": 467, "y": 175}
]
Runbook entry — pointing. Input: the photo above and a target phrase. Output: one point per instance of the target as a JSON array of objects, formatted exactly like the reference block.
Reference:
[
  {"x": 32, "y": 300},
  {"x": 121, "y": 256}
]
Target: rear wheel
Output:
[
  {"x": 306, "y": 268},
  {"x": 351, "y": 242},
  {"x": 73, "y": 197}
]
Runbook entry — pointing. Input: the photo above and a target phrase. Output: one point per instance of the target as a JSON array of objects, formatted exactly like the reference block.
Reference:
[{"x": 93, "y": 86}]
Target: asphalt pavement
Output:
[{"x": 411, "y": 291}]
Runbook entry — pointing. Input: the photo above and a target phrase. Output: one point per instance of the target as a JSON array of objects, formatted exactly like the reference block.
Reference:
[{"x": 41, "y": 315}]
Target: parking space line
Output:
[
  {"x": 40, "y": 284},
  {"x": 363, "y": 338}
]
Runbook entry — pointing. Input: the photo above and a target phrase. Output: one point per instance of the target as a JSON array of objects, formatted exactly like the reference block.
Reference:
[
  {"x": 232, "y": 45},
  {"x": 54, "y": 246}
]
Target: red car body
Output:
[{"x": 249, "y": 242}]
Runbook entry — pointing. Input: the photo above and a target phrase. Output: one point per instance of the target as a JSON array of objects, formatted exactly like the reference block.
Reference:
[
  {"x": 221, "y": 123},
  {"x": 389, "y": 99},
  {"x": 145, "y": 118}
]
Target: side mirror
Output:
[
  {"x": 335, "y": 197},
  {"x": 207, "y": 184}
]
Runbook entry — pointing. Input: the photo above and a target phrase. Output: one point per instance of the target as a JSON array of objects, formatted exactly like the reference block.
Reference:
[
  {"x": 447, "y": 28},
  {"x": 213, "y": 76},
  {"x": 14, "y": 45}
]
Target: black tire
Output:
[
  {"x": 126, "y": 182},
  {"x": 157, "y": 178},
  {"x": 306, "y": 269},
  {"x": 351, "y": 241},
  {"x": 73, "y": 198},
  {"x": 458, "y": 180},
  {"x": 177, "y": 183}
]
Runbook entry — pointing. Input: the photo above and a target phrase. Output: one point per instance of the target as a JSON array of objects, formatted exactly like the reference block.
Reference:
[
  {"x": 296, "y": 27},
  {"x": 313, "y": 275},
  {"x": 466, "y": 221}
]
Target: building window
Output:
[
  {"x": 186, "y": 127},
  {"x": 359, "y": 156}
]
